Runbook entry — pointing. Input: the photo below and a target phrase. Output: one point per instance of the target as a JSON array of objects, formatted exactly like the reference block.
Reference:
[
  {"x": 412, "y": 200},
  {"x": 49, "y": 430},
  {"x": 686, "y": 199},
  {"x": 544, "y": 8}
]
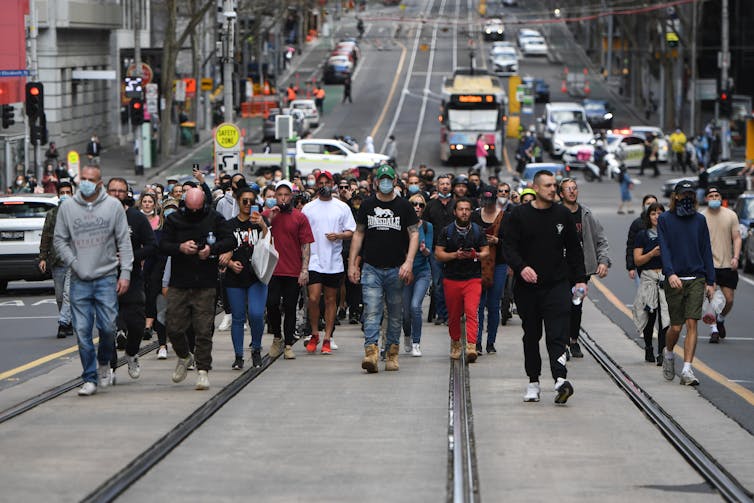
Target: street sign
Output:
[
  {"x": 227, "y": 147},
  {"x": 706, "y": 89},
  {"x": 146, "y": 72},
  {"x": 179, "y": 90},
  {"x": 73, "y": 162},
  {"x": 133, "y": 87},
  {"x": 206, "y": 84},
  {"x": 152, "y": 99},
  {"x": 283, "y": 127},
  {"x": 227, "y": 135}
]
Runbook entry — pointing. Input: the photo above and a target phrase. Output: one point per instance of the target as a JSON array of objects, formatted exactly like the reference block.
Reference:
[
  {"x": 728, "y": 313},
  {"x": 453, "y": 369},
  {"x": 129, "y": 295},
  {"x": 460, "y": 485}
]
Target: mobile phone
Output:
[
  {"x": 195, "y": 166},
  {"x": 255, "y": 209}
]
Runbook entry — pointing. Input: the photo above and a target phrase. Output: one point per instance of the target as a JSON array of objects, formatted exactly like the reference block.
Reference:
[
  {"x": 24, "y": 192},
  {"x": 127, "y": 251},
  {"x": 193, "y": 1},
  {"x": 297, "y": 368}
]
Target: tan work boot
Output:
[
  {"x": 455, "y": 349},
  {"x": 471, "y": 353},
  {"x": 277, "y": 347},
  {"x": 371, "y": 356},
  {"x": 391, "y": 363},
  {"x": 288, "y": 353}
]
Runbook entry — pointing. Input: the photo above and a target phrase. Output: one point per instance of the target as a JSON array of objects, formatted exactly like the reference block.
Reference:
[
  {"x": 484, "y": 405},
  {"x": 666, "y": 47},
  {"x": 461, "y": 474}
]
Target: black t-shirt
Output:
[
  {"x": 246, "y": 235},
  {"x": 453, "y": 239},
  {"x": 646, "y": 239},
  {"x": 386, "y": 234},
  {"x": 476, "y": 217},
  {"x": 579, "y": 228}
]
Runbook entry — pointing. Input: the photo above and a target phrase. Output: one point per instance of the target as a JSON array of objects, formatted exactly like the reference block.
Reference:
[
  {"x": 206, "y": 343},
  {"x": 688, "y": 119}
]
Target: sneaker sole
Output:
[
  {"x": 695, "y": 382},
  {"x": 564, "y": 393},
  {"x": 529, "y": 400}
]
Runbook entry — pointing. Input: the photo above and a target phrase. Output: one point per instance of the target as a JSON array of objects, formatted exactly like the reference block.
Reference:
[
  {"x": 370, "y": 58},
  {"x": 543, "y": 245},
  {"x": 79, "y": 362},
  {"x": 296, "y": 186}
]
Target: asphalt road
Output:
[{"x": 396, "y": 91}]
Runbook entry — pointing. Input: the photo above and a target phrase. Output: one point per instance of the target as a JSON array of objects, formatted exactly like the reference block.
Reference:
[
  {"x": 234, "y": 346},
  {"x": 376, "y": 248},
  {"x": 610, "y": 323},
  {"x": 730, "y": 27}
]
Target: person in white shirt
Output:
[{"x": 331, "y": 221}]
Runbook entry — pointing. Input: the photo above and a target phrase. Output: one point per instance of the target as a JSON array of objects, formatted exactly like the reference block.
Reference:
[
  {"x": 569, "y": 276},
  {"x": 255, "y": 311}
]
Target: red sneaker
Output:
[
  {"x": 311, "y": 346},
  {"x": 326, "y": 347}
]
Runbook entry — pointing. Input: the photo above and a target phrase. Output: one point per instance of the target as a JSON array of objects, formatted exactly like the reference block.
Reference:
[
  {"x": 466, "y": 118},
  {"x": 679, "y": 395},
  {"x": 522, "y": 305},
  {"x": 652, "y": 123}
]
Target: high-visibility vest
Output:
[
  {"x": 291, "y": 94},
  {"x": 319, "y": 93}
]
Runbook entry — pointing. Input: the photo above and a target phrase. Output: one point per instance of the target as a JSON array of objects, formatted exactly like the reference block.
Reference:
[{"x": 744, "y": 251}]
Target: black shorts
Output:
[
  {"x": 327, "y": 280},
  {"x": 727, "y": 278}
]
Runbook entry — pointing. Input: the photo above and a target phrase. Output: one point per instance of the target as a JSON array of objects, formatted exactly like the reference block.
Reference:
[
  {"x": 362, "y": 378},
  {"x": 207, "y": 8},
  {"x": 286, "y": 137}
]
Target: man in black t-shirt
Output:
[
  {"x": 387, "y": 232},
  {"x": 541, "y": 245},
  {"x": 460, "y": 247}
]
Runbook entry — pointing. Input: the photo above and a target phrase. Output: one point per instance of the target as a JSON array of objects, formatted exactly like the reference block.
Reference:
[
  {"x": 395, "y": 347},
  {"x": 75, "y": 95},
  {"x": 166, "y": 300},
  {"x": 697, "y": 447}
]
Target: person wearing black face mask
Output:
[
  {"x": 689, "y": 272},
  {"x": 191, "y": 295},
  {"x": 131, "y": 305}
]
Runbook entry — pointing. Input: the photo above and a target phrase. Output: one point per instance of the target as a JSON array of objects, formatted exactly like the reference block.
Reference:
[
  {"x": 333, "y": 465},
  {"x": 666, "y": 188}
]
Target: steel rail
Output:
[
  {"x": 46, "y": 396},
  {"x": 701, "y": 460}
]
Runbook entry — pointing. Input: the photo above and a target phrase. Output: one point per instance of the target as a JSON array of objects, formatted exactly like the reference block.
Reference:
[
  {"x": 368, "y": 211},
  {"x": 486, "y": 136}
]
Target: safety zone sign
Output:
[
  {"x": 227, "y": 147},
  {"x": 227, "y": 135}
]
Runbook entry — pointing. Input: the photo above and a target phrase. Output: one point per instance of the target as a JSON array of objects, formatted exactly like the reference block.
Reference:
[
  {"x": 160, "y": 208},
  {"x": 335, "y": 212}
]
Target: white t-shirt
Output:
[{"x": 326, "y": 217}]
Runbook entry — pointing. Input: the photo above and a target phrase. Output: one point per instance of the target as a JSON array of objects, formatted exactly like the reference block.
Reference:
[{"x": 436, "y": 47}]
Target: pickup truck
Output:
[{"x": 324, "y": 154}]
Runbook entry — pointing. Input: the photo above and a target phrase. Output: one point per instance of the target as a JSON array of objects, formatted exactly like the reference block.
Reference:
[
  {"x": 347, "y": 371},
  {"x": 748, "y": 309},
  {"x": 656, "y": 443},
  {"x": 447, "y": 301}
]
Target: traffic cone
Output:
[
  {"x": 587, "y": 89},
  {"x": 563, "y": 87}
]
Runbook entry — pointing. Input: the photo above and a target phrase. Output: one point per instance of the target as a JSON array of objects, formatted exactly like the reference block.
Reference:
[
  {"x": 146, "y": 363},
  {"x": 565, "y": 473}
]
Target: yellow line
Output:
[
  {"x": 392, "y": 90},
  {"x": 40, "y": 361},
  {"x": 507, "y": 160},
  {"x": 716, "y": 376}
]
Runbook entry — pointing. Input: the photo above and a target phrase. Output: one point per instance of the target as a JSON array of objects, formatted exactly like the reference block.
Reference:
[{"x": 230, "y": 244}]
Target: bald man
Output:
[{"x": 193, "y": 281}]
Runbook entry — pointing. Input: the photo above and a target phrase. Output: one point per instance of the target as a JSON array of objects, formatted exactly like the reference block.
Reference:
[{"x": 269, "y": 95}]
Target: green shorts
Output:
[{"x": 685, "y": 303}]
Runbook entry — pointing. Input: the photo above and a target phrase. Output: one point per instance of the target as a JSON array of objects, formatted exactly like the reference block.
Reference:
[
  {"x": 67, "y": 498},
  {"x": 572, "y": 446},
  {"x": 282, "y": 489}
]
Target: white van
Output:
[{"x": 555, "y": 113}]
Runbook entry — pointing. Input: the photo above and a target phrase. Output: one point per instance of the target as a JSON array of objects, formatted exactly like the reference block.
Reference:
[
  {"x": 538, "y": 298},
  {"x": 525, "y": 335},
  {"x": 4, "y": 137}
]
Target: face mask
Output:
[
  {"x": 502, "y": 201},
  {"x": 270, "y": 202},
  {"x": 558, "y": 178},
  {"x": 386, "y": 186},
  {"x": 64, "y": 197},
  {"x": 285, "y": 207},
  {"x": 444, "y": 196},
  {"x": 278, "y": 178},
  {"x": 413, "y": 189},
  {"x": 87, "y": 188},
  {"x": 148, "y": 213},
  {"x": 325, "y": 191},
  {"x": 19, "y": 182},
  {"x": 310, "y": 183},
  {"x": 169, "y": 212},
  {"x": 94, "y": 139},
  {"x": 715, "y": 203},
  {"x": 685, "y": 207}
]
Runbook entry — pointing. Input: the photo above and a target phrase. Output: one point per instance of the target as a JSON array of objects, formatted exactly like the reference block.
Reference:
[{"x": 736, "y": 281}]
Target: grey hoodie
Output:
[{"x": 89, "y": 237}]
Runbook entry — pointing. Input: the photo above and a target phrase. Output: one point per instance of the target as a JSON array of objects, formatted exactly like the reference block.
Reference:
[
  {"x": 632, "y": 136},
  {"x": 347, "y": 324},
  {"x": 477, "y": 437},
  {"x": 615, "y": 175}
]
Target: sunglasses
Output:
[
  {"x": 247, "y": 201},
  {"x": 503, "y": 191},
  {"x": 420, "y": 205}
]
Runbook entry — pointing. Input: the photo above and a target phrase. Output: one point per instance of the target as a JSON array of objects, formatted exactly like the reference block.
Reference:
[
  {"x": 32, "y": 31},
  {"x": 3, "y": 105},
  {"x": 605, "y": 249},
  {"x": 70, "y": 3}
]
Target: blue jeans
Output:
[
  {"x": 89, "y": 299},
  {"x": 437, "y": 276},
  {"x": 413, "y": 295},
  {"x": 378, "y": 287},
  {"x": 61, "y": 277},
  {"x": 252, "y": 299},
  {"x": 491, "y": 300}
]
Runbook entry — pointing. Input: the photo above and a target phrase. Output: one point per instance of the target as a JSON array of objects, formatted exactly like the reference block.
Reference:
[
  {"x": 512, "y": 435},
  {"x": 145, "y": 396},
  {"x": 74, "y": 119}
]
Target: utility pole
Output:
[
  {"x": 138, "y": 144},
  {"x": 692, "y": 86},
  {"x": 609, "y": 65},
  {"x": 724, "y": 64},
  {"x": 230, "y": 23},
  {"x": 34, "y": 74}
]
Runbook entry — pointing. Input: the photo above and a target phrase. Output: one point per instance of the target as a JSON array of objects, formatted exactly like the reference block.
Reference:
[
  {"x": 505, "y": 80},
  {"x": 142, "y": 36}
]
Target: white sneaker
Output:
[
  {"x": 88, "y": 389},
  {"x": 202, "y": 380},
  {"x": 182, "y": 367},
  {"x": 532, "y": 392},
  {"x": 225, "y": 323},
  {"x": 103, "y": 372},
  {"x": 333, "y": 346},
  {"x": 407, "y": 346},
  {"x": 162, "y": 353},
  {"x": 688, "y": 378},
  {"x": 134, "y": 369},
  {"x": 416, "y": 350}
]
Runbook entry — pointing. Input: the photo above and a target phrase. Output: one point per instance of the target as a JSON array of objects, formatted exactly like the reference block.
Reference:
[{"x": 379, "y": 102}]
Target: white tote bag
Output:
[{"x": 264, "y": 258}]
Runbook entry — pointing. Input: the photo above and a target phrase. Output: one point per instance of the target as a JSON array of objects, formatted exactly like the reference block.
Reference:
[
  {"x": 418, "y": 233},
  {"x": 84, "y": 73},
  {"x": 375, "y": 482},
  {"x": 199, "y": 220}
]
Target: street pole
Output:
[
  {"x": 609, "y": 65},
  {"x": 138, "y": 163},
  {"x": 692, "y": 86},
  {"x": 34, "y": 71},
  {"x": 230, "y": 19},
  {"x": 724, "y": 63}
]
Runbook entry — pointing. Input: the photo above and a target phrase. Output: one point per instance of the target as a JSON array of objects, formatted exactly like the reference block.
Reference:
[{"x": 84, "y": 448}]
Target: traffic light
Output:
[
  {"x": 726, "y": 104},
  {"x": 38, "y": 132},
  {"x": 136, "y": 109},
  {"x": 34, "y": 99},
  {"x": 8, "y": 116}
]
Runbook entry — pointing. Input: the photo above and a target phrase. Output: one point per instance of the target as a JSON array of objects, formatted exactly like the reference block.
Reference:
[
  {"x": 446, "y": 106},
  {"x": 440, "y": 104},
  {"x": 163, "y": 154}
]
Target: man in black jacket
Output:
[
  {"x": 541, "y": 245},
  {"x": 131, "y": 304},
  {"x": 193, "y": 237},
  {"x": 439, "y": 212}
]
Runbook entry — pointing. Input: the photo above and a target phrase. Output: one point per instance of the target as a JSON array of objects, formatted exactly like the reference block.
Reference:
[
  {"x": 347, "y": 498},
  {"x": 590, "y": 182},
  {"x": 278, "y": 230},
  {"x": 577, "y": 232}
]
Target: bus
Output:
[{"x": 473, "y": 103}]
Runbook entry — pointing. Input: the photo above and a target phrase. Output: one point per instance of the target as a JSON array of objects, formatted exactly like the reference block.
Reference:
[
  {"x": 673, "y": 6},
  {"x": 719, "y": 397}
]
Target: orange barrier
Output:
[{"x": 258, "y": 107}]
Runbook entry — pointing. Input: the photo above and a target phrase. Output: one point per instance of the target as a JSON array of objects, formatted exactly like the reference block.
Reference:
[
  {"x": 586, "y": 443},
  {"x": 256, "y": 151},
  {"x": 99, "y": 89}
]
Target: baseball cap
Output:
[
  {"x": 385, "y": 170},
  {"x": 528, "y": 191},
  {"x": 712, "y": 190},
  {"x": 460, "y": 179},
  {"x": 326, "y": 174},
  {"x": 683, "y": 186},
  {"x": 284, "y": 183}
]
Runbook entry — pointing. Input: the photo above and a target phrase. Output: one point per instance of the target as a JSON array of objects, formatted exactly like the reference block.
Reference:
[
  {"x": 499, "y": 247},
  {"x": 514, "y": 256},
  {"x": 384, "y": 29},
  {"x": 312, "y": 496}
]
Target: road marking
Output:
[
  {"x": 392, "y": 91},
  {"x": 702, "y": 367},
  {"x": 28, "y": 317},
  {"x": 746, "y": 280},
  {"x": 40, "y": 361}
]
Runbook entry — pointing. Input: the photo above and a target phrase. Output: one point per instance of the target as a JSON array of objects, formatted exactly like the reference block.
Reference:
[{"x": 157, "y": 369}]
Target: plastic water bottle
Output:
[
  {"x": 211, "y": 239},
  {"x": 578, "y": 295}
]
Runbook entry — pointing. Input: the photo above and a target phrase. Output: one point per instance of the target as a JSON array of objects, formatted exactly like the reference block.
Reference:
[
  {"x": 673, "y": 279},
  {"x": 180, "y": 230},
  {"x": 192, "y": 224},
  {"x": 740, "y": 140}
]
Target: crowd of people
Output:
[{"x": 369, "y": 252}]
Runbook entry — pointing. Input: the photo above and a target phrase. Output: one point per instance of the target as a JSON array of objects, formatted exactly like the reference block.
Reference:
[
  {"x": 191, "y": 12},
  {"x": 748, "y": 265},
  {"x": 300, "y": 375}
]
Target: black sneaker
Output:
[
  {"x": 658, "y": 359},
  {"x": 120, "y": 340},
  {"x": 564, "y": 391},
  {"x": 61, "y": 332},
  {"x": 148, "y": 333},
  {"x": 714, "y": 337},
  {"x": 491, "y": 349},
  {"x": 568, "y": 354},
  {"x": 341, "y": 314},
  {"x": 576, "y": 350},
  {"x": 721, "y": 329},
  {"x": 68, "y": 330},
  {"x": 479, "y": 348},
  {"x": 649, "y": 355},
  {"x": 256, "y": 358},
  {"x": 238, "y": 363},
  {"x": 353, "y": 320}
]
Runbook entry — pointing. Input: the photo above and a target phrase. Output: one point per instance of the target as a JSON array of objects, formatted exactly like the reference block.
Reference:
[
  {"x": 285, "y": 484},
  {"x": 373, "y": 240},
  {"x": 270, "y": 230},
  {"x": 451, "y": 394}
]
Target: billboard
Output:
[{"x": 13, "y": 69}]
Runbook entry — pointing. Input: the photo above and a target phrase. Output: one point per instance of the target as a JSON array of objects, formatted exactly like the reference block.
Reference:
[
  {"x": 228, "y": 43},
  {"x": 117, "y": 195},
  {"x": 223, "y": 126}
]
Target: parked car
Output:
[
  {"x": 534, "y": 46},
  {"x": 22, "y": 217},
  {"x": 541, "y": 89},
  {"x": 504, "y": 61},
  {"x": 726, "y": 176},
  {"x": 309, "y": 107},
  {"x": 599, "y": 113},
  {"x": 527, "y": 177},
  {"x": 525, "y": 33},
  {"x": 744, "y": 208},
  {"x": 555, "y": 113},
  {"x": 664, "y": 151},
  {"x": 568, "y": 134},
  {"x": 336, "y": 69},
  {"x": 493, "y": 29},
  {"x": 510, "y": 3}
]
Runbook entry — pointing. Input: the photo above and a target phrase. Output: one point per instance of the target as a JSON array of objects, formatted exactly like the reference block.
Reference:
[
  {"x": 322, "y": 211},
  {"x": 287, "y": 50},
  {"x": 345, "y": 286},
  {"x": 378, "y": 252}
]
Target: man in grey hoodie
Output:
[{"x": 92, "y": 238}]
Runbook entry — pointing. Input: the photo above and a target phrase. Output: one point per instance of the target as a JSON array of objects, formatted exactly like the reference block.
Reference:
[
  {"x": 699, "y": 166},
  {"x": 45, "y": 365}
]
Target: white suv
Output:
[
  {"x": 22, "y": 217},
  {"x": 309, "y": 108}
]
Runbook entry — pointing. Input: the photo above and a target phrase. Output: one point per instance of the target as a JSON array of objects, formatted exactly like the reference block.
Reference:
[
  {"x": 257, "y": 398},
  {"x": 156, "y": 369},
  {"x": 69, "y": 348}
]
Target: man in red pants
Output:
[{"x": 460, "y": 247}]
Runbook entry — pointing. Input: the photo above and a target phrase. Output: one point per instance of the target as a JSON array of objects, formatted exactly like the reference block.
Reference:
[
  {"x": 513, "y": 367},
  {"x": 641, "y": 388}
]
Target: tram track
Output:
[{"x": 698, "y": 458}]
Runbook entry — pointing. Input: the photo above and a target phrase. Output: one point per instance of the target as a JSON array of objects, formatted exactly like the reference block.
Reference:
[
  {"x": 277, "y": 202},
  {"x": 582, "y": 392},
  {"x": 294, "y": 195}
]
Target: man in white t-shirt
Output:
[{"x": 331, "y": 221}]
